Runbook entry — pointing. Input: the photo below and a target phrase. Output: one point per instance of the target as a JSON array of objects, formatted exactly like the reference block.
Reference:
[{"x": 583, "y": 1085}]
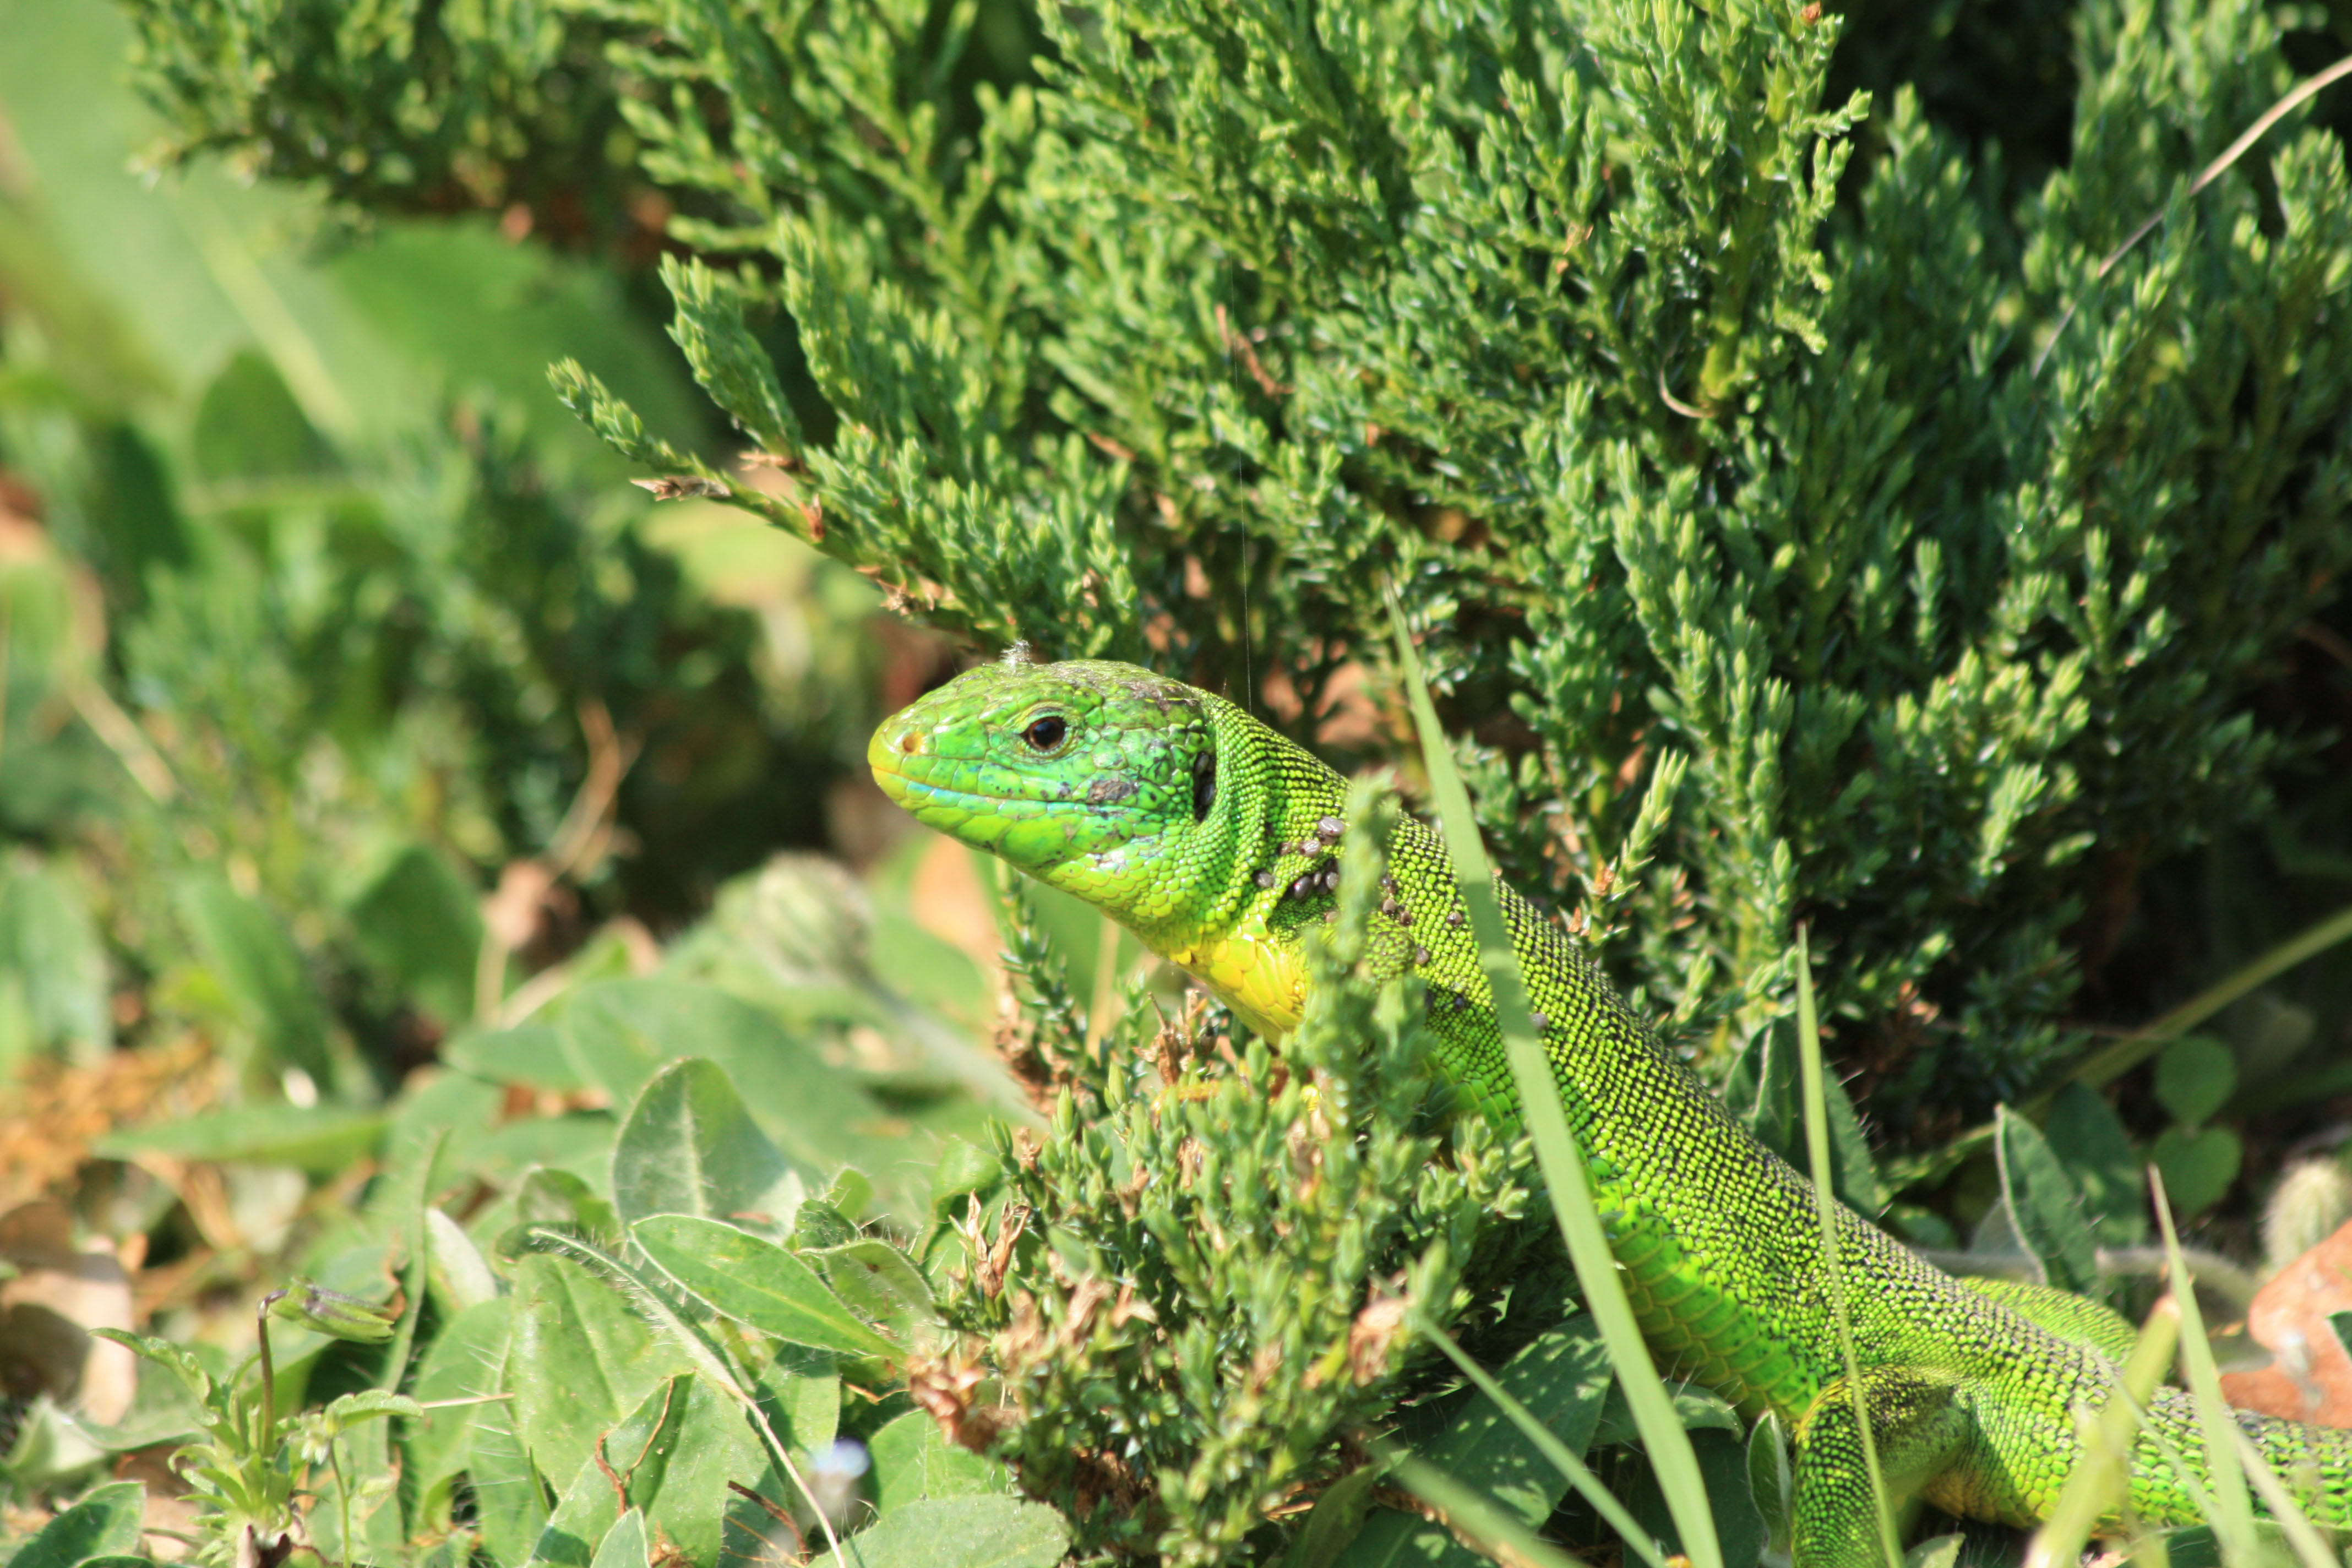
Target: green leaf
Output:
[
  {"x": 419, "y": 924},
  {"x": 509, "y": 1498},
  {"x": 912, "y": 1459},
  {"x": 1761, "y": 1087},
  {"x": 620, "y": 1032},
  {"x": 104, "y": 1523},
  {"x": 260, "y": 970},
  {"x": 584, "y": 1515},
  {"x": 530, "y": 1055},
  {"x": 715, "y": 1444},
  {"x": 690, "y": 1147},
  {"x": 758, "y": 1283},
  {"x": 1335, "y": 1520},
  {"x": 49, "y": 941},
  {"x": 2195, "y": 1076},
  {"x": 957, "y": 1533},
  {"x": 167, "y": 1406},
  {"x": 1936, "y": 1552},
  {"x": 1695, "y": 1409},
  {"x": 2044, "y": 1206},
  {"x": 1722, "y": 1465},
  {"x": 1771, "y": 1486},
  {"x": 623, "y": 1545},
  {"x": 320, "y": 1139},
  {"x": 476, "y": 313},
  {"x": 801, "y": 1392},
  {"x": 576, "y": 1144},
  {"x": 1563, "y": 1378},
  {"x": 560, "y": 1197},
  {"x": 1762, "y": 1092},
  {"x": 1494, "y": 1530},
  {"x": 2089, "y": 1141},
  {"x": 581, "y": 1361},
  {"x": 2198, "y": 1167},
  {"x": 963, "y": 1168},
  {"x": 248, "y": 426},
  {"x": 466, "y": 1360},
  {"x": 1855, "y": 1174},
  {"x": 628, "y": 1469},
  {"x": 880, "y": 1283},
  {"x": 462, "y": 1277},
  {"x": 179, "y": 1360},
  {"x": 447, "y": 1118}
]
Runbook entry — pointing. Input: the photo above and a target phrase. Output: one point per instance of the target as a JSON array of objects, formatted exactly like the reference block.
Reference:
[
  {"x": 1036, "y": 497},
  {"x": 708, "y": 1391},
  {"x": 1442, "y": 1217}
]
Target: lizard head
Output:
[{"x": 1089, "y": 775}]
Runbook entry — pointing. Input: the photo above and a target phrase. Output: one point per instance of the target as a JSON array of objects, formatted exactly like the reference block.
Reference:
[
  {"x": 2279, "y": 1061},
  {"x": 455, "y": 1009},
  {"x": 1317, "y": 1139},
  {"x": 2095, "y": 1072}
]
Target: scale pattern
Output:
[{"x": 1214, "y": 839}]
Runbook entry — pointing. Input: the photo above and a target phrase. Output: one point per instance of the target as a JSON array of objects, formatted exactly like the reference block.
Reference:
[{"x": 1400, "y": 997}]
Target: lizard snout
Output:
[{"x": 897, "y": 742}]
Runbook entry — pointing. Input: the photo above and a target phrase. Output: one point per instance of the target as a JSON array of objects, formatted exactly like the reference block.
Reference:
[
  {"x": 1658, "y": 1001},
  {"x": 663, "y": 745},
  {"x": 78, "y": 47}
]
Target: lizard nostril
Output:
[{"x": 912, "y": 743}]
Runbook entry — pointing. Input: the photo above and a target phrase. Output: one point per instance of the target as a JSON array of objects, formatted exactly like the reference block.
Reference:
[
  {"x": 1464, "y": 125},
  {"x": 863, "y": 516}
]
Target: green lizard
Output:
[{"x": 1212, "y": 837}]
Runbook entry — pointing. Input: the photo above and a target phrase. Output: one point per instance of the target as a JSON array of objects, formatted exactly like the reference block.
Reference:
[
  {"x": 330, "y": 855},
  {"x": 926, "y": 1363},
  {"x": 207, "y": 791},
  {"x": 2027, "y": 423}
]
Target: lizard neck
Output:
[{"x": 1258, "y": 873}]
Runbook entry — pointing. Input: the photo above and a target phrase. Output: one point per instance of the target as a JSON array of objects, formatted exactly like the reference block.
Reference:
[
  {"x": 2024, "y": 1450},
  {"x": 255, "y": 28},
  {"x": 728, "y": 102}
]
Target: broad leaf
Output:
[
  {"x": 2195, "y": 1076},
  {"x": 320, "y": 1139},
  {"x": 880, "y": 1283},
  {"x": 259, "y": 969},
  {"x": 912, "y": 1461},
  {"x": 530, "y": 1055},
  {"x": 2089, "y": 1141},
  {"x": 2199, "y": 1167},
  {"x": 957, "y": 1533},
  {"x": 509, "y": 1498},
  {"x": 104, "y": 1523},
  {"x": 466, "y": 1360},
  {"x": 581, "y": 1361},
  {"x": 623, "y": 1545},
  {"x": 49, "y": 942},
  {"x": 620, "y": 1032},
  {"x": 2045, "y": 1207},
  {"x": 690, "y": 1147},
  {"x": 461, "y": 1276},
  {"x": 1564, "y": 1379},
  {"x": 420, "y": 927},
  {"x": 756, "y": 1282}
]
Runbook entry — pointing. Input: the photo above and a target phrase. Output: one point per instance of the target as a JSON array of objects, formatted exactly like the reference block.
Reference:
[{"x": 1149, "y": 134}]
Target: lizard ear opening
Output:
[{"x": 1205, "y": 785}]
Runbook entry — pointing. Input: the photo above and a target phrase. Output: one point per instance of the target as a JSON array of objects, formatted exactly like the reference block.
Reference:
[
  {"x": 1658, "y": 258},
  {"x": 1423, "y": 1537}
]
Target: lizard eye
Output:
[{"x": 1046, "y": 734}]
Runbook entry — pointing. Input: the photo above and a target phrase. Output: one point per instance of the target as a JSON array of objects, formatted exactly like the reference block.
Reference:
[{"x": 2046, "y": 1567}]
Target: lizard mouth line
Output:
[{"x": 913, "y": 793}]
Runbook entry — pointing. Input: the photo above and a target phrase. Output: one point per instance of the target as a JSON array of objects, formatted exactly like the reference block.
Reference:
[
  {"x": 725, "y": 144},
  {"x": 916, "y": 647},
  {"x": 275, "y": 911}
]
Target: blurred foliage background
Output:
[{"x": 404, "y": 810}]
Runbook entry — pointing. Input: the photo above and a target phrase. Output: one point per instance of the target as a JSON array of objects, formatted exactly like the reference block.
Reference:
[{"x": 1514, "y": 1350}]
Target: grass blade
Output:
[
  {"x": 1817, "y": 1148},
  {"x": 1562, "y": 1458},
  {"x": 2233, "y": 1510},
  {"x": 1667, "y": 1445}
]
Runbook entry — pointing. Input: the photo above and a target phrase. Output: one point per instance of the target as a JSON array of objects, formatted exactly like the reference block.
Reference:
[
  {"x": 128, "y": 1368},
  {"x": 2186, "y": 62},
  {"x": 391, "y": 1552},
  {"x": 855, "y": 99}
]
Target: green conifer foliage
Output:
[
  {"x": 1679, "y": 434},
  {"x": 1946, "y": 564}
]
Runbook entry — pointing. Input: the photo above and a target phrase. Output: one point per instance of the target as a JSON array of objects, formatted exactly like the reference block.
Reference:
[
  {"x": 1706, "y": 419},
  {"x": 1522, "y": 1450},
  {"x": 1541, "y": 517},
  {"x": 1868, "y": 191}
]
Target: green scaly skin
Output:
[{"x": 1212, "y": 837}]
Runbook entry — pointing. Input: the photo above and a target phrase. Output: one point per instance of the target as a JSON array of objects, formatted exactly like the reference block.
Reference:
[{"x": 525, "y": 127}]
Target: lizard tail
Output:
[{"x": 2316, "y": 1463}]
